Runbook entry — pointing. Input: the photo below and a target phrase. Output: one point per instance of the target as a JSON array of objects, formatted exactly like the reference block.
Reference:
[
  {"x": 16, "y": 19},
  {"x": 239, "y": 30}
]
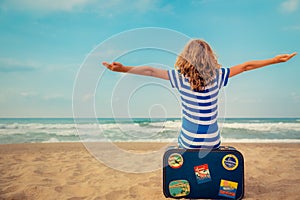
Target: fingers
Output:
[
  {"x": 117, "y": 64},
  {"x": 293, "y": 54},
  {"x": 285, "y": 57},
  {"x": 107, "y": 65},
  {"x": 289, "y": 56}
]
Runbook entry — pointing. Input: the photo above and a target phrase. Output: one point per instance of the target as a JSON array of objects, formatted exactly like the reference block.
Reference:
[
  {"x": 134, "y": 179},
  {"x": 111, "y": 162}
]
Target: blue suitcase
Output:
[{"x": 203, "y": 174}]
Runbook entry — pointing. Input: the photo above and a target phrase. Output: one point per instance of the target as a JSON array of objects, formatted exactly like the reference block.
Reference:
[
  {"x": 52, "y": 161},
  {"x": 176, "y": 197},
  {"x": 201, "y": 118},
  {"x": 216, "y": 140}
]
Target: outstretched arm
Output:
[
  {"x": 142, "y": 70},
  {"x": 255, "y": 64}
]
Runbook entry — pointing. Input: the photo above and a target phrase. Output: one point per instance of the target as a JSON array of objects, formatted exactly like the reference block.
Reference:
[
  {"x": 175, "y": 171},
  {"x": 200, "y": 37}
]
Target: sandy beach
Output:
[{"x": 69, "y": 171}]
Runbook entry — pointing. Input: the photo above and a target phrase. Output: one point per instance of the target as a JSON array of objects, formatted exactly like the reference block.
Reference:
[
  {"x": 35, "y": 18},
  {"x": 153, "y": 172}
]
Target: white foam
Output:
[
  {"x": 52, "y": 140},
  {"x": 256, "y": 140},
  {"x": 264, "y": 127},
  {"x": 165, "y": 131}
]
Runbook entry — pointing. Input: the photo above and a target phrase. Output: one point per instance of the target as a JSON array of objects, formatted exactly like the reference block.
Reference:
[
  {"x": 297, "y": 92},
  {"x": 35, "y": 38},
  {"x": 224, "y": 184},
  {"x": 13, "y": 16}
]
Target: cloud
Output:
[
  {"x": 289, "y": 6},
  {"x": 55, "y": 97},
  {"x": 28, "y": 94},
  {"x": 8, "y": 65},
  {"x": 103, "y": 7},
  {"x": 295, "y": 97},
  {"x": 195, "y": 2},
  {"x": 45, "y": 5},
  {"x": 11, "y": 65},
  {"x": 292, "y": 28},
  {"x": 87, "y": 97}
]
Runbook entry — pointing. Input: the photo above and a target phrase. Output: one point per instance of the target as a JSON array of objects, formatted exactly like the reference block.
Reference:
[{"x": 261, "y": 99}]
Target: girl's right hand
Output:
[
  {"x": 115, "y": 66},
  {"x": 284, "y": 57}
]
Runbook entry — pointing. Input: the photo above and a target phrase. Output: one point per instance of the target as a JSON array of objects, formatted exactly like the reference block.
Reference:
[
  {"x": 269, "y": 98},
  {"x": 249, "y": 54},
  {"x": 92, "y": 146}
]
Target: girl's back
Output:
[{"x": 198, "y": 79}]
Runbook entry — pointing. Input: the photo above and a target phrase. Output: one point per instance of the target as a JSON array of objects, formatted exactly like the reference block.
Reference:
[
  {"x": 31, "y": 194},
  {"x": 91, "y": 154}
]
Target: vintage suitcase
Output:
[{"x": 203, "y": 174}]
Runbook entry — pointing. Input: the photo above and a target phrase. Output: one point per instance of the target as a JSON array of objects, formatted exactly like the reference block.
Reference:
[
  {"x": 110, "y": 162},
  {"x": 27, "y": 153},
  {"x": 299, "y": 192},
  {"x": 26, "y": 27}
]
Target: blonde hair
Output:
[{"x": 198, "y": 63}]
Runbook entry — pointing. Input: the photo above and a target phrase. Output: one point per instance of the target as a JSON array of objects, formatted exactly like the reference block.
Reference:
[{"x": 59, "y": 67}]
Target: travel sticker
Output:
[
  {"x": 230, "y": 162},
  {"x": 175, "y": 160},
  {"x": 202, "y": 173},
  {"x": 179, "y": 188},
  {"x": 228, "y": 188}
]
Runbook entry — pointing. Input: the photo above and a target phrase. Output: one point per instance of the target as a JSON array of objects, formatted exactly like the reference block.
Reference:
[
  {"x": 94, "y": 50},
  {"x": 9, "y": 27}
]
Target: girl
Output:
[{"x": 198, "y": 78}]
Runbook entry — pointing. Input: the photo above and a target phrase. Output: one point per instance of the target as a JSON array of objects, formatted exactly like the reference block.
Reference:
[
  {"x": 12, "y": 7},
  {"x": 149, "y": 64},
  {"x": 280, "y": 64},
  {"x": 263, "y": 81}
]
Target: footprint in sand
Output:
[{"x": 58, "y": 188}]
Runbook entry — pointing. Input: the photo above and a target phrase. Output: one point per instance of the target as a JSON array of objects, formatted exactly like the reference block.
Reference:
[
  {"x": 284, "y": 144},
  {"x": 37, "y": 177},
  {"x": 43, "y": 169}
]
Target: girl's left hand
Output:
[
  {"x": 115, "y": 66},
  {"x": 284, "y": 57}
]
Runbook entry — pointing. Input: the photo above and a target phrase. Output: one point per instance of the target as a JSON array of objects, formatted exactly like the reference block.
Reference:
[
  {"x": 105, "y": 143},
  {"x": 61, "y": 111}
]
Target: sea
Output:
[{"x": 47, "y": 130}]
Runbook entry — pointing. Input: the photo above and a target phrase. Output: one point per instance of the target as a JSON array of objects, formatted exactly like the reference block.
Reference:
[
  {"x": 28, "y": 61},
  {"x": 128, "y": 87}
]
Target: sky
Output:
[{"x": 46, "y": 46}]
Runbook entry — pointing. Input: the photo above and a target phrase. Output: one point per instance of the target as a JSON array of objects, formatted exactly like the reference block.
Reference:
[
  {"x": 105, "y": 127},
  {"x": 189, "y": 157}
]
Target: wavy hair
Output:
[{"x": 198, "y": 63}]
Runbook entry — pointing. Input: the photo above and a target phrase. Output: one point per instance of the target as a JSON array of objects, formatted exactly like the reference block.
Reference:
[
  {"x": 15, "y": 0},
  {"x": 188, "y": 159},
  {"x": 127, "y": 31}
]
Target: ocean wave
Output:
[
  {"x": 145, "y": 126},
  {"x": 255, "y": 130},
  {"x": 173, "y": 141},
  {"x": 168, "y": 124},
  {"x": 263, "y": 127},
  {"x": 149, "y": 128},
  {"x": 257, "y": 140},
  {"x": 36, "y": 126},
  {"x": 129, "y": 129}
]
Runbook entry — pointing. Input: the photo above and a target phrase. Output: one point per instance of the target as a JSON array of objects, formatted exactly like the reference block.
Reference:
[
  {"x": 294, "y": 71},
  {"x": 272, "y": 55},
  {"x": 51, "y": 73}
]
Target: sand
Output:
[{"x": 69, "y": 171}]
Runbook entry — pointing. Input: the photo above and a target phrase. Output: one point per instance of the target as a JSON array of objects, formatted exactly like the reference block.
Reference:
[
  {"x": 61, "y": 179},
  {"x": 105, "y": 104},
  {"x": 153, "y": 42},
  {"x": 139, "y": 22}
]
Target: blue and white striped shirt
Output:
[{"x": 199, "y": 111}]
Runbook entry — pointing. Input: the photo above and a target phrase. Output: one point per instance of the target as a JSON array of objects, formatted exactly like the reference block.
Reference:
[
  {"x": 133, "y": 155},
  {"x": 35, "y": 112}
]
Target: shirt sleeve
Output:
[
  {"x": 223, "y": 77},
  {"x": 174, "y": 78}
]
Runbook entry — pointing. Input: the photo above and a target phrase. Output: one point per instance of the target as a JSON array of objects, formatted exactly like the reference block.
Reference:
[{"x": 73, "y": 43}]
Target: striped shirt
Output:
[{"x": 199, "y": 111}]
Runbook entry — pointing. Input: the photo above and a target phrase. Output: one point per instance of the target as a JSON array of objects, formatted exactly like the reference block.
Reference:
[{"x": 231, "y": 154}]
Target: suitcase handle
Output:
[
  {"x": 227, "y": 148},
  {"x": 220, "y": 148}
]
